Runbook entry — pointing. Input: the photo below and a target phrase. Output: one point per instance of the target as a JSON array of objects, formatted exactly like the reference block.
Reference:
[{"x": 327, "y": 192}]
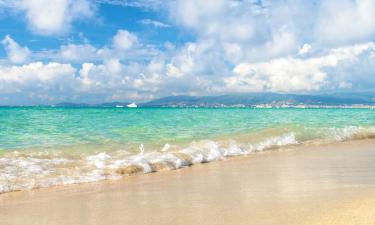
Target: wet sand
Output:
[{"x": 329, "y": 184}]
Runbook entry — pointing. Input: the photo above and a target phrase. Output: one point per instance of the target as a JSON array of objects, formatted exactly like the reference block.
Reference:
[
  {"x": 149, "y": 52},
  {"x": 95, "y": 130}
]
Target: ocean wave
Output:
[
  {"x": 352, "y": 133},
  {"x": 20, "y": 171}
]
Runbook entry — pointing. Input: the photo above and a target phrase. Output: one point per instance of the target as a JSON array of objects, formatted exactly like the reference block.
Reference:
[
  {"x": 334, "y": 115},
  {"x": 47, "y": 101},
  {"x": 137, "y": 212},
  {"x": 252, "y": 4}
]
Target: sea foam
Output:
[{"x": 20, "y": 171}]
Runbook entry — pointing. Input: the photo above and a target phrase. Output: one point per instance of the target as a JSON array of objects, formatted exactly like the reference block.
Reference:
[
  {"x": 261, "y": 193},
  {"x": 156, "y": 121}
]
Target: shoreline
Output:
[
  {"x": 44, "y": 169},
  {"x": 307, "y": 185}
]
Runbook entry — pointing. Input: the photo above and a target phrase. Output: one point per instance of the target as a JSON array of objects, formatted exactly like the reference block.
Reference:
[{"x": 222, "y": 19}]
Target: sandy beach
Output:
[
  {"x": 327, "y": 184},
  {"x": 187, "y": 112}
]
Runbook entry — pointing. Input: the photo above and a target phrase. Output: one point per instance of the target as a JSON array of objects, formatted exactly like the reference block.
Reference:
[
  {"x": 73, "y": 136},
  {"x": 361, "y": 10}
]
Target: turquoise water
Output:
[
  {"x": 44, "y": 146},
  {"x": 55, "y": 127}
]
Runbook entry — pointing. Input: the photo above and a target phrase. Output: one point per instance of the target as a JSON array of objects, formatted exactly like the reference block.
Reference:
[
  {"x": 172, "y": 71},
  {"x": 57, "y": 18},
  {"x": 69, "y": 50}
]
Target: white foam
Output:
[
  {"x": 234, "y": 150},
  {"x": 99, "y": 160},
  {"x": 351, "y": 133},
  {"x": 166, "y": 147},
  {"x": 274, "y": 142},
  {"x": 20, "y": 171}
]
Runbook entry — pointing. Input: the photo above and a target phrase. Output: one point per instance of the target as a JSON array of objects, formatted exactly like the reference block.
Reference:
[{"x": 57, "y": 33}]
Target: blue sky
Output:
[{"x": 123, "y": 50}]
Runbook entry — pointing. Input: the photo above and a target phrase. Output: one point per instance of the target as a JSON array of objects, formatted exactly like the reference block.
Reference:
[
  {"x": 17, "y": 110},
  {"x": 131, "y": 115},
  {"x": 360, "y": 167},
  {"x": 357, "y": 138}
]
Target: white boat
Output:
[{"x": 132, "y": 105}]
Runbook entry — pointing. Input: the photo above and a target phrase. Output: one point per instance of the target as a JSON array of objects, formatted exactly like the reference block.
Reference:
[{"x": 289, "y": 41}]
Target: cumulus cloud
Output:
[
  {"x": 78, "y": 52},
  {"x": 330, "y": 22},
  {"x": 15, "y": 52},
  {"x": 234, "y": 46},
  {"x": 46, "y": 17},
  {"x": 37, "y": 71},
  {"x": 124, "y": 40},
  {"x": 343, "y": 21},
  {"x": 306, "y": 48},
  {"x": 297, "y": 74},
  {"x": 208, "y": 18},
  {"x": 113, "y": 80},
  {"x": 124, "y": 46},
  {"x": 36, "y": 83},
  {"x": 244, "y": 30}
]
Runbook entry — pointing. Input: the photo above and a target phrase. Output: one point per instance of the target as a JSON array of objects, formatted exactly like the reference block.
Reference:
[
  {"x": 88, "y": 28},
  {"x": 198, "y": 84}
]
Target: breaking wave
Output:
[{"x": 20, "y": 170}]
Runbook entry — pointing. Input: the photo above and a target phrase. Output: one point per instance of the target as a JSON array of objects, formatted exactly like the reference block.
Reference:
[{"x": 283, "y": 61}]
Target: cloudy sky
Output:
[{"x": 136, "y": 50}]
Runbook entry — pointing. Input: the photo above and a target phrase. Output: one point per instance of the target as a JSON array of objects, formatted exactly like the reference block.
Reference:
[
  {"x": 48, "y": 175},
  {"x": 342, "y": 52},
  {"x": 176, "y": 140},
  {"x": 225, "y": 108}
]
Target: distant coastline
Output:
[{"x": 250, "y": 100}]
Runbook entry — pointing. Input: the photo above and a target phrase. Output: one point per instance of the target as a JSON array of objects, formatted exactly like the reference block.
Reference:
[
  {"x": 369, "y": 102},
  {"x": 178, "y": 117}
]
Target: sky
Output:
[{"x": 136, "y": 50}]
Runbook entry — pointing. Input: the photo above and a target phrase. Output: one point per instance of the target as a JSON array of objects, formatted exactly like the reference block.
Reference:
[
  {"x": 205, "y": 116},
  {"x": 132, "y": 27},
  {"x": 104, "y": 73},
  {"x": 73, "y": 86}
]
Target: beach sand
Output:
[{"x": 321, "y": 185}]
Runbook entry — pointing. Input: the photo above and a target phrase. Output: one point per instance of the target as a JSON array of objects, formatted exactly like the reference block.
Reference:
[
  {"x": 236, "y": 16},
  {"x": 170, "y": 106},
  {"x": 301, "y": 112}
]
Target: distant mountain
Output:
[
  {"x": 248, "y": 99},
  {"x": 265, "y": 98}
]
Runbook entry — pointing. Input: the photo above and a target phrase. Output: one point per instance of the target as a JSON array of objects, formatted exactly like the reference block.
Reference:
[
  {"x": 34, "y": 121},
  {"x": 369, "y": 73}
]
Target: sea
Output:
[{"x": 51, "y": 146}]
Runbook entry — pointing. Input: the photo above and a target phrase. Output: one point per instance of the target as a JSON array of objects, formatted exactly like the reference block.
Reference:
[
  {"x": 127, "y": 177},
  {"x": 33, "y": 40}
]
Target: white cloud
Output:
[
  {"x": 234, "y": 46},
  {"x": 154, "y": 23},
  {"x": 345, "y": 85},
  {"x": 344, "y": 21},
  {"x": 15, "y": 52},
  {"x": 78, "y": 52},
  {"x": 113, "y": 65},
  {"x": 114, "y": 80},
  {"x": 124, "y": 46},
  {"x": 214, "y": 19},
  {"x": 295, "y": 74},
  {"x": 269, "y": 29},
  {"x": 36, "y": 71},
  {"x": 306, "y": 48},
  {"x": 147, "y": 4},
  {"x": 124, "y": 40},
  {"x": 242, "y": 30},
  {"x": 47, "y": 17},
  {"x": 36, "y": 83}
]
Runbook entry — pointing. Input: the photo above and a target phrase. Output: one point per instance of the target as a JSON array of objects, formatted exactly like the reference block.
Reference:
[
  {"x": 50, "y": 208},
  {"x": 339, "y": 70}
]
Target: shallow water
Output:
[{"x": 44, "y": 146}]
